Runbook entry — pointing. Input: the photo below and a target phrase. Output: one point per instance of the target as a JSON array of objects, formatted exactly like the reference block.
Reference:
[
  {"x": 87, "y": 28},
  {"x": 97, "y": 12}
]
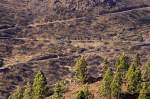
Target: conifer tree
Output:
[
  {"x": 27, "y": 91},
  {"x": 81, "y": 70},
  {"x": 18, "y": 94},
  {"x": 122, "y": 65},
  {"x": 116, "y": 85},
  {"x": 105, "y": 89},
  {"x": 39, "y": 86},
  {"x": 133, "y": 78},
  {"x": 143, "y": 92},
  {"x": 146, "y": 74},
  {"x": 59, "y": 89}
]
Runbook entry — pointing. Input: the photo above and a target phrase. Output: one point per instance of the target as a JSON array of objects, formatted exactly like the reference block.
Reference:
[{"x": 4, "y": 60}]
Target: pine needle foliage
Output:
[
  {"x": 39, "y": 86},
  {"x": 105, "y": 88},
  {"x": 81, "y": 70}
]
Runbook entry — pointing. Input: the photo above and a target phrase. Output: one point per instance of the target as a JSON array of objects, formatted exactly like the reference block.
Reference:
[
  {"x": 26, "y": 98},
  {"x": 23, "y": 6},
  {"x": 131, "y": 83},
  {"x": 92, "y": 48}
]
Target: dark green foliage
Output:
[
  {"x": 84, "y": 93},
  {"x": 105, "y": 89},
  {"x": 143, "y": 92},
  {"x": 39, "y": 86},
  {"x": 59, "y": 90},
  {"x": 27, "y": 91},
  {"x": 116, "y": 85},
  {"x": 18, "y": 94},
  {"x": 81, "y": 70}
]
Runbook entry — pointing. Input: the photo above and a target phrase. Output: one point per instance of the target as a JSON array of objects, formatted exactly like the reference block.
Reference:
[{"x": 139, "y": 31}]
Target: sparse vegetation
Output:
[{"x": 137, "y": 82}]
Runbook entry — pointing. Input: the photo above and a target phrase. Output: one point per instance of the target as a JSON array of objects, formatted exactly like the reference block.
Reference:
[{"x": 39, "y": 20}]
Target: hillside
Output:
[{"x": 49, "y": 35}]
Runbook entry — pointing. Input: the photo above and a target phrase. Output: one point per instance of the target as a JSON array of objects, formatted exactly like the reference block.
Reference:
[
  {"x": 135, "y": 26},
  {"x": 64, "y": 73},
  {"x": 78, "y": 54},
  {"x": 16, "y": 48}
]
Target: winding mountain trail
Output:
[
  {"x": 120, "y": 11},
  {"x": 104, "y": 13}
]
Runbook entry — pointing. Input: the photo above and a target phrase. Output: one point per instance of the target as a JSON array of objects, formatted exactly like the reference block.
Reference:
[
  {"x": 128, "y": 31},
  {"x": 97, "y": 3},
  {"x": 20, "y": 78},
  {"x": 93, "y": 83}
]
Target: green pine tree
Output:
[
  {"x": 143, "y": 92},
  {"x": 116, "y": 85},
  {"x": 146, "y": 74},
  {"x": 122, "y": 65},
  {"x": 133, "y": 78},
  {"x": 27, "y": 91},
  {"x": 39, "y": 86},
  {"x": 81, "y": 70},
  {"x": 59, "y": 89},
  {"x": 18, "y": 94},
  {"x": 105, "y": 89}
]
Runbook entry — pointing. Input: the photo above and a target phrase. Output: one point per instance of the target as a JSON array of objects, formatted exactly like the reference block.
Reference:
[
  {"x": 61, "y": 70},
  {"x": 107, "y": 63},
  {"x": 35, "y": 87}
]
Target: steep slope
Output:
[{"x": 50, "y": 34}]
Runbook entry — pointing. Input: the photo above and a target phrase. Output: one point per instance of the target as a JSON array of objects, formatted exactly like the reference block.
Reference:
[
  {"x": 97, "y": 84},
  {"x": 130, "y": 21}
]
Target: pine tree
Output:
[
  {"x": 105, "y": 89},
  {"x": 122, "y": 65},
  {"x": 133, "y": 78},
  {"x": 143, "y": 92},
  {"x": 27, "y": 91},
  {"x": 81, "y": 70},
  {"x": 18, "y": 93},
  {"x": 84, "y": 93},
  {"x": 116, "y": 85},
  {"x": 39, "y": 86},
  {"x": 146, "y": 74},
  {"x": 59, "y": 89}
]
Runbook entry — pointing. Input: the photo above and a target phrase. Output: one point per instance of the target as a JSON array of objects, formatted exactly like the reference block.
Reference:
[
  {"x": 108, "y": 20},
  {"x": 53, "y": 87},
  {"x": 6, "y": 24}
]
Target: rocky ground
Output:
[{"x": 49, "y": 35}]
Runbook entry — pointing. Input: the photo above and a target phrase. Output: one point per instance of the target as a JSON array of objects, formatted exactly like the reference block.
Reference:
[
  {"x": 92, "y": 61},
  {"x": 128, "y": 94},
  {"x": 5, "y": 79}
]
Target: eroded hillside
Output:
[{"x": 50, "y": 34}]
